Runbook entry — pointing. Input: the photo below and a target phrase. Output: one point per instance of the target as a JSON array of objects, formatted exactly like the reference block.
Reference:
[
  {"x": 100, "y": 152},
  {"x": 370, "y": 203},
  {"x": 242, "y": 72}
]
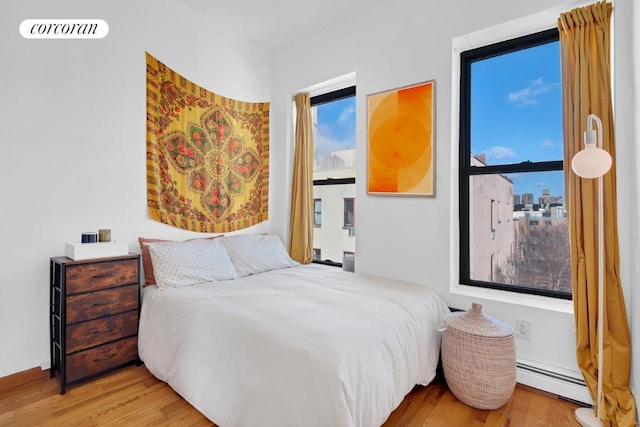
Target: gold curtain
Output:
[
  {"x": 301, "y": 225},
  {"x": 585, "y": 48}
]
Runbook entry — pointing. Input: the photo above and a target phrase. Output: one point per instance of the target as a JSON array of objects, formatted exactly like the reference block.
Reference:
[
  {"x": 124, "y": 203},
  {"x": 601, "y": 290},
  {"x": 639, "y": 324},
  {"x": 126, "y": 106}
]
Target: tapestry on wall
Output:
[{"x": 207, "y": 156}]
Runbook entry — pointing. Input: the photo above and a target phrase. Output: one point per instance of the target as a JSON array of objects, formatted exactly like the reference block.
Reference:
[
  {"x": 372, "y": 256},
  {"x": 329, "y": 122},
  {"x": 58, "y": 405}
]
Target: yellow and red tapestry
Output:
[{"x": 207, "y": 156}]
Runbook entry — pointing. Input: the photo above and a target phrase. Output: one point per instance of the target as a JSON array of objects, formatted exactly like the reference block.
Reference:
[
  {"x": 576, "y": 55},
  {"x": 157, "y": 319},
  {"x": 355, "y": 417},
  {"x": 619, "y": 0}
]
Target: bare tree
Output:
[{"x": 540, "y": 257}]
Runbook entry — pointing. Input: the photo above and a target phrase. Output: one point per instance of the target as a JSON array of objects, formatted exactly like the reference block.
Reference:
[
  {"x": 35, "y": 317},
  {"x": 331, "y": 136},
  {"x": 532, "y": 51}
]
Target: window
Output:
[
  {"x": 334, "y": 177},
  {"x": 349, "y": 212},
  {"x": 349, "y": 216},
  {"x": 317, "y": 212},
  {"x": 511, "y": 153},
  {"x": 492, "y": 226}
]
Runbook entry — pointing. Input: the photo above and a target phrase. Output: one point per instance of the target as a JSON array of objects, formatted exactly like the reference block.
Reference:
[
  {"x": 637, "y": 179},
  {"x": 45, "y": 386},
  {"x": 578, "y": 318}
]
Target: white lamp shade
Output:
[{"x": 591, "y": 162}]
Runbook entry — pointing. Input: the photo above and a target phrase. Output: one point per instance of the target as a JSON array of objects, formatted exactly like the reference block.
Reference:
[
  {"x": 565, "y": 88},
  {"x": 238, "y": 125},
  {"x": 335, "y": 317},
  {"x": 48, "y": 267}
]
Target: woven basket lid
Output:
[{"x": 475, "y": 322}]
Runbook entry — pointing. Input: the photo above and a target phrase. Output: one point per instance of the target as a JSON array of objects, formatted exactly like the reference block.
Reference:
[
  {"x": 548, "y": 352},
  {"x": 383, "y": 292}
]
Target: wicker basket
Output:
[{"x": 479, "y": 358}]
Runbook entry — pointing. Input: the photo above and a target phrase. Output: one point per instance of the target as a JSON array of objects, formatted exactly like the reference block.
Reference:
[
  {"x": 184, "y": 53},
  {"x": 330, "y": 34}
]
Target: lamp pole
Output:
[{"x": 594, "y": 162}]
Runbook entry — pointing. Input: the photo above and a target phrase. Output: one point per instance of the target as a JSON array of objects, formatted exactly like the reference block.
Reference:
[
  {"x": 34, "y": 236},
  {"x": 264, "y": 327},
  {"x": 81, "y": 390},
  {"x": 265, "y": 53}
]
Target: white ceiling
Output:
[{"x": 274, "y": 24}]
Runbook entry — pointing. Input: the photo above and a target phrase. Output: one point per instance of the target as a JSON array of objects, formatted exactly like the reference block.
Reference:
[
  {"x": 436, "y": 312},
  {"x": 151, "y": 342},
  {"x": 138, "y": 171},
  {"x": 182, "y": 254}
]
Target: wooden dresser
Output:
[{"x": 94, "y": 315}]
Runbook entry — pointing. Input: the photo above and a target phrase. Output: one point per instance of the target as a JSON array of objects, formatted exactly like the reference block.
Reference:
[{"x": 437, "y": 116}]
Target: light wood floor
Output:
[{"x": 133, "y": 397}]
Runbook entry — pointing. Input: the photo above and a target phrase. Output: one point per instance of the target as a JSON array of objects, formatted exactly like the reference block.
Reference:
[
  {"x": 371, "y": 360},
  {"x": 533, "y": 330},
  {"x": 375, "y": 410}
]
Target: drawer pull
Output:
[
  {"x": 100, "y": 359},
  {"x": 111, "y": 301},
  {"x": 101, "y": 275},
  {"x": 102, "y": 331}
]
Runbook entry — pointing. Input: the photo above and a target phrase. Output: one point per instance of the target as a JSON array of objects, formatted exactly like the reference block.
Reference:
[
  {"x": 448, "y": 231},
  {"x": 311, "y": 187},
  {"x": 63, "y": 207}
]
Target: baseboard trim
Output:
[{"x": 45, "y": 363}]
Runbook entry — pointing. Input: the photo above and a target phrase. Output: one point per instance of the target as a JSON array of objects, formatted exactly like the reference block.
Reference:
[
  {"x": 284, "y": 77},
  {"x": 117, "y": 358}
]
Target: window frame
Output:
[
  {"x": 466, "y": 171},
  {"x": 315, "y": 101}
]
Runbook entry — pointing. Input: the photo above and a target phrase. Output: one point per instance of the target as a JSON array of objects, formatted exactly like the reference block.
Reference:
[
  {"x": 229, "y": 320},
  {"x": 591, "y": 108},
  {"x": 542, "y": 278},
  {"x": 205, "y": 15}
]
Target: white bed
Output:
[{"x": 303, "y": 346}]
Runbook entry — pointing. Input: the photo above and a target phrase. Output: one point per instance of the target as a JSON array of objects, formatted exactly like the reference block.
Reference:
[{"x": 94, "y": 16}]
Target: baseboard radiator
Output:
[{"x": 563, "y": 385}]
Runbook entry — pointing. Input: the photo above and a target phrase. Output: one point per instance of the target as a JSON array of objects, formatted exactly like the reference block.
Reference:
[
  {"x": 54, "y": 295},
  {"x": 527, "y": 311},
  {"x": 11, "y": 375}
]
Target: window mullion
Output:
[{"x": 556, "y": 165}]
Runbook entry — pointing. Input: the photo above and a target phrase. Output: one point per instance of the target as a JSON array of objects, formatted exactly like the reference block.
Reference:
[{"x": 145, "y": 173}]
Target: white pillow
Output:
[
  {"x": 190, "y": 262},
  {"x": 253, "y": 253}
]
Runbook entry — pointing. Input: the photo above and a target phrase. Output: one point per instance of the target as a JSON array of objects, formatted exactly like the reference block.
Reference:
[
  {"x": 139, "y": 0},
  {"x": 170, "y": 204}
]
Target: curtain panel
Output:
[
  {"x": 301, "y": 223},
  {"x": 585, "y": 50}
]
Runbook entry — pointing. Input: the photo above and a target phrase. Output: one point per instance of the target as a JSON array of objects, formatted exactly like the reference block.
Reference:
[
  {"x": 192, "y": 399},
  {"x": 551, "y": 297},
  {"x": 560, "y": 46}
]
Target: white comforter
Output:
[{"x": 302, "y": 346}]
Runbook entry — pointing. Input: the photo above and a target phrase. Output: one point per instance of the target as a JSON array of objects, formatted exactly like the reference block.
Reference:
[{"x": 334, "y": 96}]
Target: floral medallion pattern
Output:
[{"x": 207, "y": 156}]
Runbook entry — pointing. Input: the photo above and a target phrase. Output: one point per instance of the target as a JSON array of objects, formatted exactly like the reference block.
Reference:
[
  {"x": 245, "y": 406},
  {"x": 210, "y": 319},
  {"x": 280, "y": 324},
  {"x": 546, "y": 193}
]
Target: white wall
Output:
[
  {"x": 408, "y": 41},
  {"x": 72, "y": 133},
  {"x": 72, "y": 130}
]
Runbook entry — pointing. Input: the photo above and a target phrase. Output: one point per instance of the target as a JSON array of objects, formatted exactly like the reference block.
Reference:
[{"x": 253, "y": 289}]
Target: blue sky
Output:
[
  {"x": 516, "y": 110},
  {"x": 336, "y": 126},
  {"x": 516, "y": 116}
]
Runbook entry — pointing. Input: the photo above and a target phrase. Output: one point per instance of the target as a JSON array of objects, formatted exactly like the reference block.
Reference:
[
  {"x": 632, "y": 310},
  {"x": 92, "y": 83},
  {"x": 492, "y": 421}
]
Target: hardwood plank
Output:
[
  {"x": 22, "y": 378},
  {"x": 132, "y": 396}
]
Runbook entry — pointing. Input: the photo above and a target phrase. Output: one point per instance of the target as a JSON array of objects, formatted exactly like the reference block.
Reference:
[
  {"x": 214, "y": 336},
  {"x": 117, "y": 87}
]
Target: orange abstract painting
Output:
[{"x": 400, "y": 131}]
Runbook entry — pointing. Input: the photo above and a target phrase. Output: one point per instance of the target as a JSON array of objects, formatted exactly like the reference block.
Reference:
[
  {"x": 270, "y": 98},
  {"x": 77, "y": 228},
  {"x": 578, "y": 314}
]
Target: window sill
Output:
[{"x": 528, "y": 300}]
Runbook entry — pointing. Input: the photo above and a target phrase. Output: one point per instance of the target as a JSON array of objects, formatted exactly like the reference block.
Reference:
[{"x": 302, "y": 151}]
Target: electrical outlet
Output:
[{"x": 523, "y": 329}]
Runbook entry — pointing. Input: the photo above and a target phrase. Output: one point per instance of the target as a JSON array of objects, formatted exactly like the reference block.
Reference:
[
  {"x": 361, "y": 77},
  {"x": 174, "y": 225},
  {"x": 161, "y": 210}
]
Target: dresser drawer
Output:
[
  {"x": 99, "y": 359},
  {"x": 101, "y": 275},
  {"x": 81, "y": 307},
  {"x": 99, "y": 331}
]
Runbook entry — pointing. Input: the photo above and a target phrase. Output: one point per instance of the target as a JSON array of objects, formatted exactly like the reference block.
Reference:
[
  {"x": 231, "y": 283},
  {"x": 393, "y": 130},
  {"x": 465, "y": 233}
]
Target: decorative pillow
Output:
[
  {"x": 251, "y": 253},
  {"x": 147, "y": 266},
  {"x": 190, "y": 262}
]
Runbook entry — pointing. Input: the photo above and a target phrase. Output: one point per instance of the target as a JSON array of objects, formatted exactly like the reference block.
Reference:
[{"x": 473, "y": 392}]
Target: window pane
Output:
[
  {"x": 516, "y": 106},
  {"x": 332, "y": 237},
  {"x": 334, "y": 139},
  {"x": 518, "y": 230}
]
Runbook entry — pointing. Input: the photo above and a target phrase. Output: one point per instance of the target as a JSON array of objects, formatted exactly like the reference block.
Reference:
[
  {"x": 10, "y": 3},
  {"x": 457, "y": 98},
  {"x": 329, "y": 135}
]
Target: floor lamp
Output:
[{"x": 594, "y": 162}]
